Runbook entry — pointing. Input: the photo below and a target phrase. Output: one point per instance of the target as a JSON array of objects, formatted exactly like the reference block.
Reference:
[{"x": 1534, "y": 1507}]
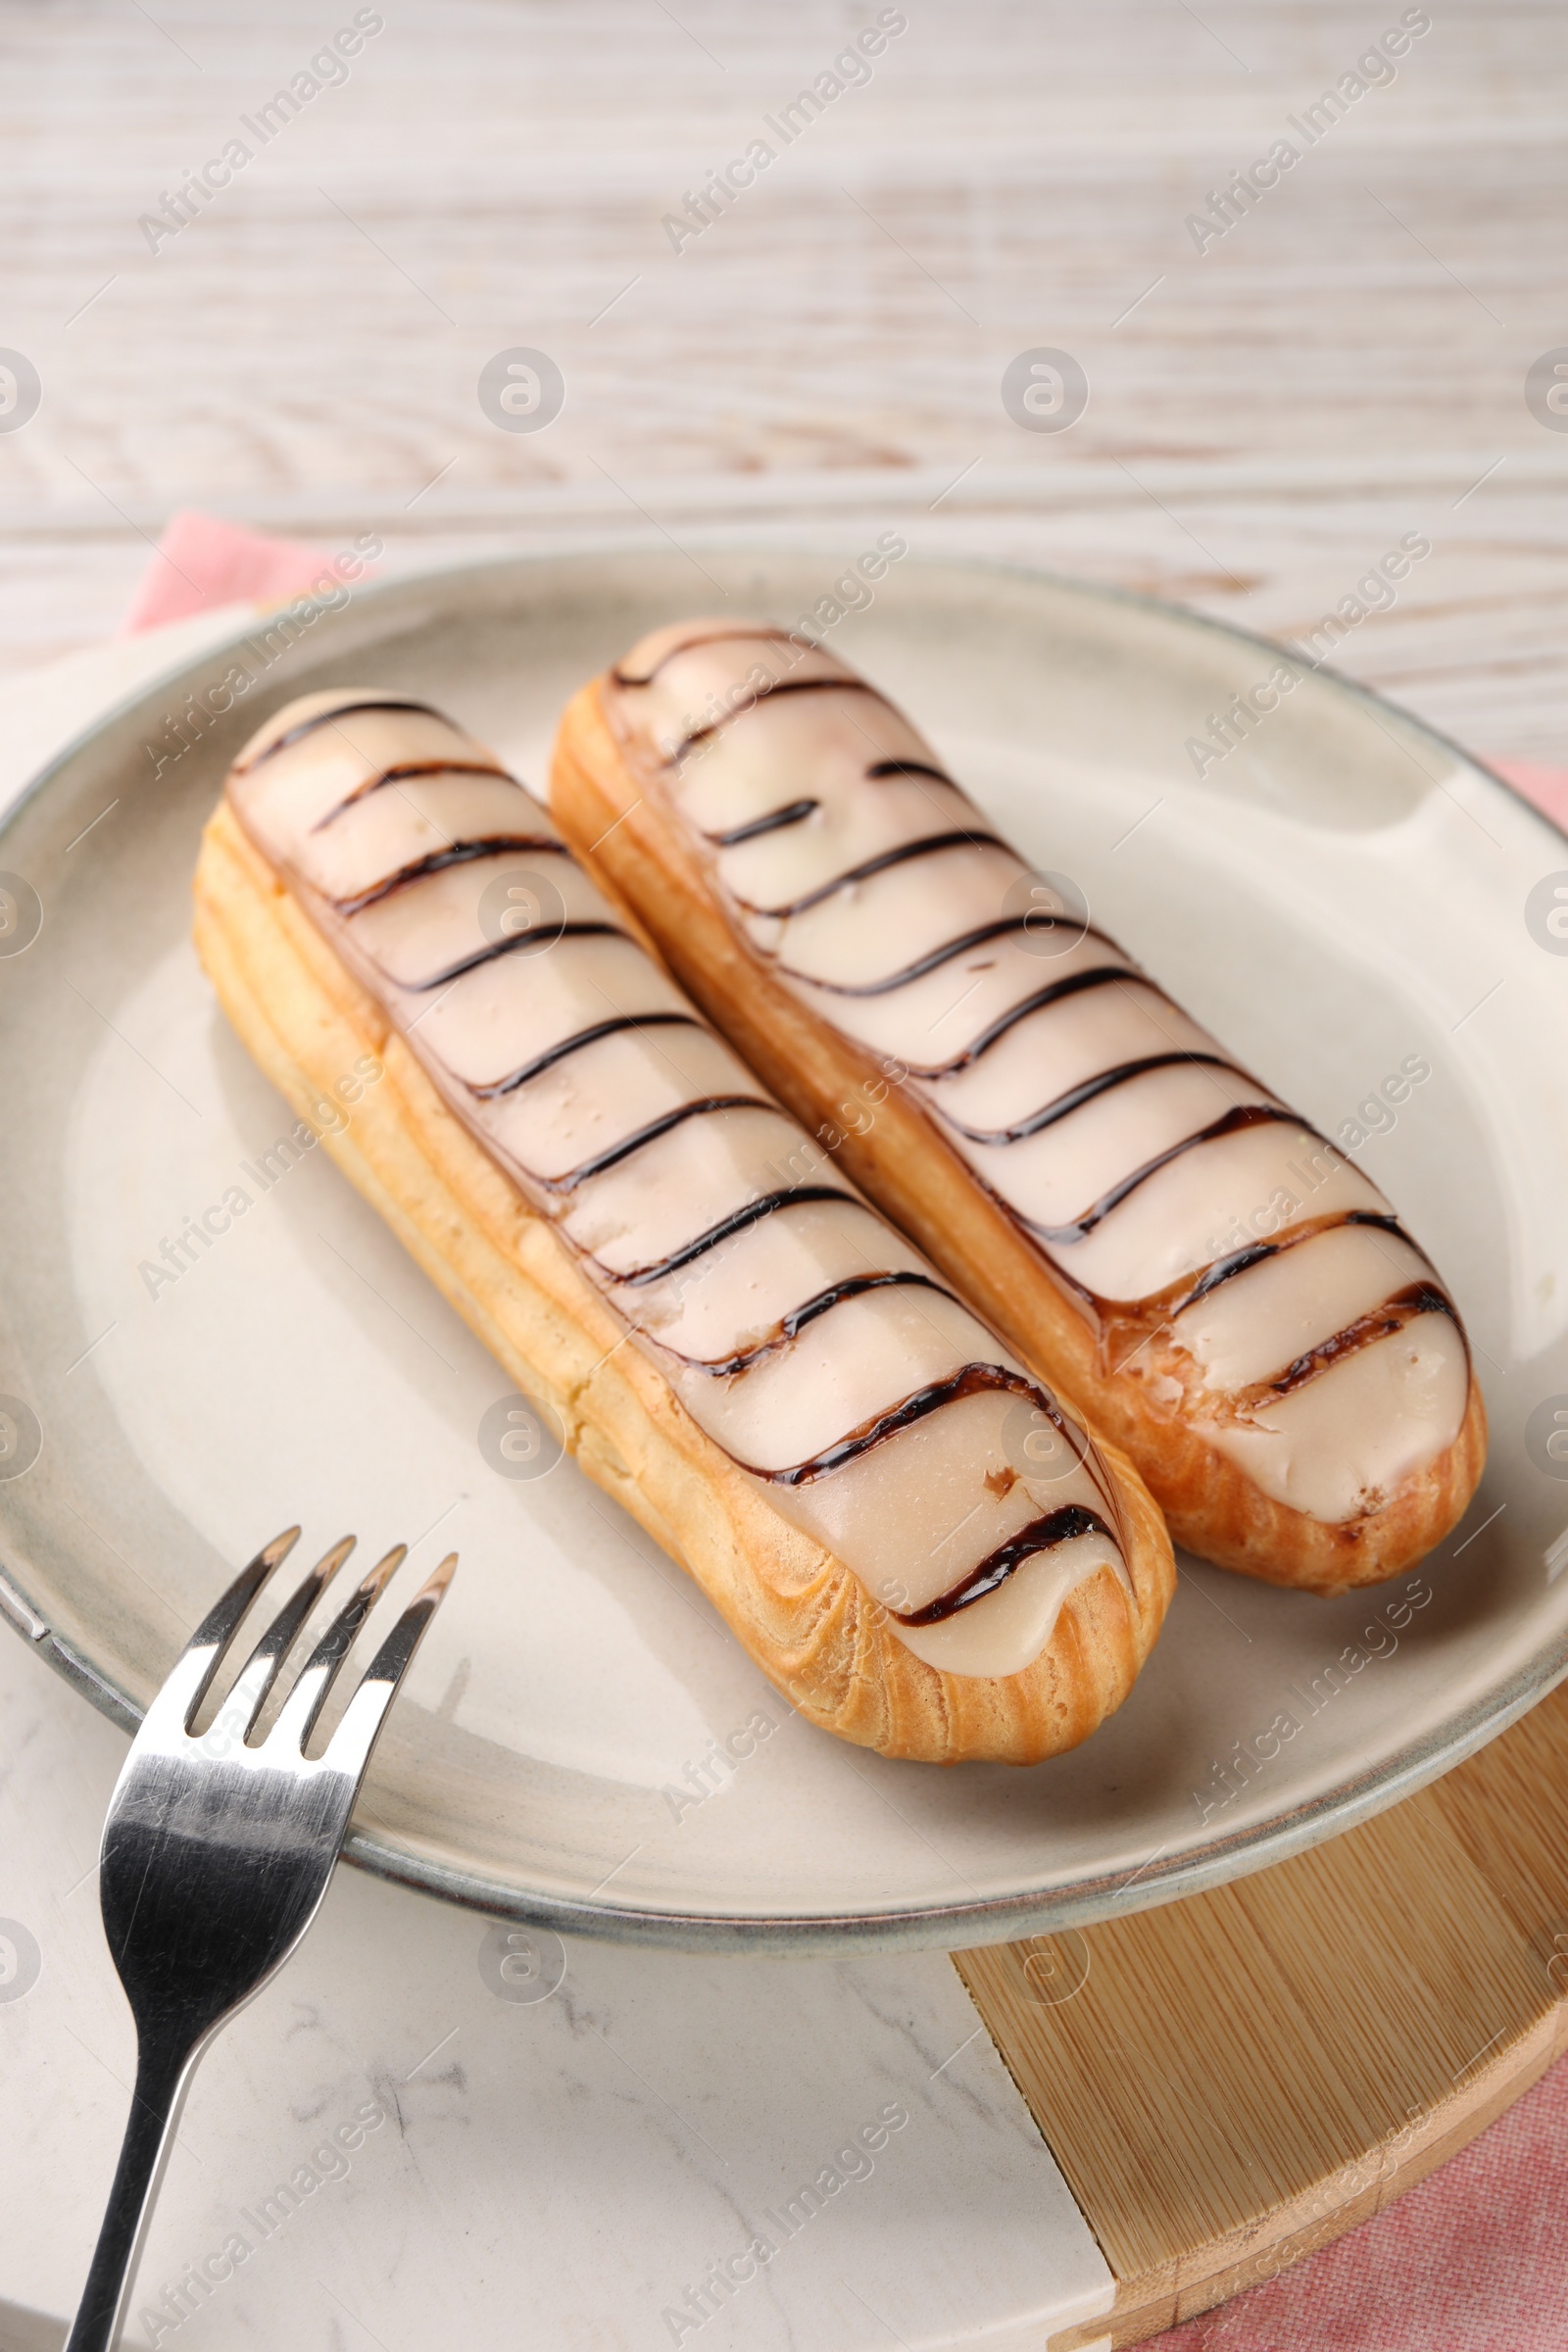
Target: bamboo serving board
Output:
[{"x": 1240, "y": 2078}]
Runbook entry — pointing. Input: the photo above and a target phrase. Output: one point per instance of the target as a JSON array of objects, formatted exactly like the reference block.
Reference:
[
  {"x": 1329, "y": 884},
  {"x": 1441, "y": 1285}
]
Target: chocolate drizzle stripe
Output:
[
  {"x": 851, "y": 1287},
  {"x": 945, "y": 955},
  {"x": 401, "y": 775},
  {"x": 880, "y": 768},
  {"x": 774, "y": 823},
  {"x": 575, "y": 1044},
  {"x": 843, "y": 684},
  {"x": 697, "y": 1108},
  {"x": 1063, "y": 1105},
  {"x": 790, "y": 1326},
  {"x": 456, "y": 853},
  {"x": 1416, "y": 1298},
  {"x": 1100, "y": 975},
  {"x": 692, "y": 645},
  {"x": 1232, "y": 1122},
  {"x": 1225, "y": 1269},
  {"x": 324, "y": 719},
  {"x": 535, "y": 941},
  {"x": 929, "y": 846},
  {"x": 1060, "y": 1526},
  {"x": 972, "y": 1381},
  {"x": 765, "y": 694},
  {"x": 739, "y": 1219}
]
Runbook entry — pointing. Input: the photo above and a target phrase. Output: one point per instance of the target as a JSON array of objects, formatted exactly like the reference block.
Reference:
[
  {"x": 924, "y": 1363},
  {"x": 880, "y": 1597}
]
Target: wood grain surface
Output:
[
  {"x": 1239, "y": 2077},
  {"x": 1267, "y": 417}
]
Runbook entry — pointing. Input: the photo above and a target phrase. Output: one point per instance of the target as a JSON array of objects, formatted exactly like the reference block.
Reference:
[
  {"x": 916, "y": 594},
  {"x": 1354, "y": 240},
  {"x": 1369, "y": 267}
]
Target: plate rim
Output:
[{"x": 925, "y": 1926}]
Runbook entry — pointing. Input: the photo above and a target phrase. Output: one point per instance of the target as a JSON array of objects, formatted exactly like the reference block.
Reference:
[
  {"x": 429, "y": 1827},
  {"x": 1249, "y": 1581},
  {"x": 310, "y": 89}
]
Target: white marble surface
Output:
[{"x": 560, "y": 2172}]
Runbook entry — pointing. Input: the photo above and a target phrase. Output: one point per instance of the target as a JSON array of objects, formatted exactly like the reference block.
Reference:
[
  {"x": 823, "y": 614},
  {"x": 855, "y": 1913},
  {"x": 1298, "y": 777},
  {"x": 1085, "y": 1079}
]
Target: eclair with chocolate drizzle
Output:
[
  {"x": 1224, "y": 1294},
  {"x": 908, "y": 1531}
]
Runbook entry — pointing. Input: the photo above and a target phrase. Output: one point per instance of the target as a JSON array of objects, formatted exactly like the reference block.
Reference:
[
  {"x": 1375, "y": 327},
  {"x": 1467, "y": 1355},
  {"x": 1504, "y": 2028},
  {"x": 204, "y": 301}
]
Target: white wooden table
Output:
[{"x": 1265, "y": 417}]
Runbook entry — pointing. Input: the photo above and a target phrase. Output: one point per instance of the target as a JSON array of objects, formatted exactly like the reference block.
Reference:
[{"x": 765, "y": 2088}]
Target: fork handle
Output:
[{"x": 164, "y": 2068}]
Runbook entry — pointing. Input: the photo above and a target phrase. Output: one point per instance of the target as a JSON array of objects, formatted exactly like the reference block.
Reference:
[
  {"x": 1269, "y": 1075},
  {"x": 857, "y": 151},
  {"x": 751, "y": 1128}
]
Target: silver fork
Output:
[{"x": 216, "y": 1855}]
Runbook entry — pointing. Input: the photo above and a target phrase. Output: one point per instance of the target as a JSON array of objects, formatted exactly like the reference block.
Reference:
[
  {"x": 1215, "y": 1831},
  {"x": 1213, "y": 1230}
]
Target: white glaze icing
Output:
[
  {"x": 1055, "y": 1177},
  {"x": 500, "y": 1017},
  {"x": 1339, "y": 1446},
  {"x": 776, "y": 869},
  {"x": 846, "y": 1366},
  {"x": 972, "y": 1441},
  {"x": 593, "y": 1101},
  {"x": 1209, "y": 1203},
  {"x": 1298, "y": 1299},
  {"x": 285, "y": 797},
  {"x": 414, "y": 818},
  {"x": 1020, "y": 1617},
  {"x": 793, "y": 1323},
  {"x": 681, "y": 705},
  {"x": 1041, "y": 1058},
  {"x": 1122, "y": 1189},
  {"x": 873, "y": 927},
  {"x": 650, "y": 1206},
  {"x": 419, "y": 939},
  {"x": 931, "y": 1021},
  {"x": 734, "y": 1297}
]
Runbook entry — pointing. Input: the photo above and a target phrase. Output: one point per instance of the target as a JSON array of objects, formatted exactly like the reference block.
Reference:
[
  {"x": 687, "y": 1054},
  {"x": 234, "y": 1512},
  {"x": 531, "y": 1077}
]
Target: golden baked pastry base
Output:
[
  {"x": 805, "y": 1620},
  {"x": 1245, "y": 2075},
  {"x": 619, "y": 822}
]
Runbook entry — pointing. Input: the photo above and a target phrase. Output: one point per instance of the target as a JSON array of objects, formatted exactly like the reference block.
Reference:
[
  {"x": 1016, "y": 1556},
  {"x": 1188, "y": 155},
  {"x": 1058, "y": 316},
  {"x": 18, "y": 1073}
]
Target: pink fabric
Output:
[
  {"x": 1547, "y": 787},
  {"x": 203, "y": 562},
  {"x": 1471, "y": 2260}
]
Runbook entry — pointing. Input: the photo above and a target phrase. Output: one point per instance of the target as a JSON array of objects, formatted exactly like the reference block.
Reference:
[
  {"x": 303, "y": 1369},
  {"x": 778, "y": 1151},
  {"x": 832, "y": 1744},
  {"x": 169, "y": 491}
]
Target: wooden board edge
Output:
[
  {"x": 1228, "y": 2266},
  {"x": 1485, "y": 1845}
]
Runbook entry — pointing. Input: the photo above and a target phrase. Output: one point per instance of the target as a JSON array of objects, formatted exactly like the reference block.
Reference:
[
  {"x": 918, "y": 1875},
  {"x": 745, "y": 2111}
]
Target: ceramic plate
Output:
[{"x": 1341, "y": 897}]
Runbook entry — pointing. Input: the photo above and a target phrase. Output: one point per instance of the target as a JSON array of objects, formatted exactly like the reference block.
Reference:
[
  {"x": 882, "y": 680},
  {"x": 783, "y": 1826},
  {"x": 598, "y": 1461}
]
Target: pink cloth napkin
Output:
[
  {"x": 1547, "y": 787},
  {"x": 1471, "y": 2260},
  {"x": 203, "y": 562}
]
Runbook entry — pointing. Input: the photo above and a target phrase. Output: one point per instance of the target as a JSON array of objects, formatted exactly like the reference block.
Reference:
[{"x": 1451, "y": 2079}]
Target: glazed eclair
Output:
[
  {"x": 907, "y": 1531},
  {"x": 1224, "y": 1294}
]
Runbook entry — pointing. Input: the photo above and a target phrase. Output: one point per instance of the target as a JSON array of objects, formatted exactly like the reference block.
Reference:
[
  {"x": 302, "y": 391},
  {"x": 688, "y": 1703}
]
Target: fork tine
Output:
[
  {"x": 297, "y": 1717},
  {"x": 348, "y": 1749},
  {"x": 258, "y": 1672},
  {"x": 217, "y": 1626},
  {"x": 187, "y": 1686}
]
